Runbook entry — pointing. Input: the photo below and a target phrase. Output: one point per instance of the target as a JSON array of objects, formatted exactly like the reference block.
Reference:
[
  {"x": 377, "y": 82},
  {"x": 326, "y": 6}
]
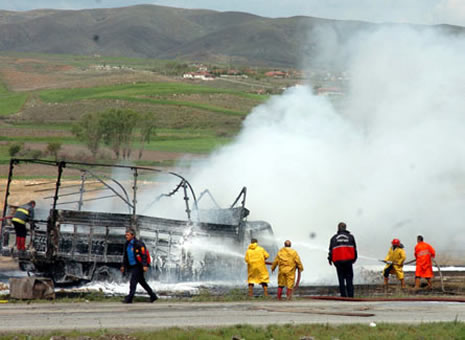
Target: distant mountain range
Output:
[{"x": 150, "y": 31}]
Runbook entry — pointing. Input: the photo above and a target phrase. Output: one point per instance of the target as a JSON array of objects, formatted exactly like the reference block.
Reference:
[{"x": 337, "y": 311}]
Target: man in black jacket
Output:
[
  {"x": 135, "y": 263},
  {"x": 343, "y": 253}
]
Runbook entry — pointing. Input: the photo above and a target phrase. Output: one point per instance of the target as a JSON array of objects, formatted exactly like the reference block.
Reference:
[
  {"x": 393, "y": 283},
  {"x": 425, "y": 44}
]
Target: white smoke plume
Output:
[{"x": 390, "y": 163}]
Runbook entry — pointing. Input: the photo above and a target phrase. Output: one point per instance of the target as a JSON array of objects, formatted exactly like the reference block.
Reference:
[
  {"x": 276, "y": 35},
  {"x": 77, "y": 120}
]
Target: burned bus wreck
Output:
[{"x": 81, "y": 217}]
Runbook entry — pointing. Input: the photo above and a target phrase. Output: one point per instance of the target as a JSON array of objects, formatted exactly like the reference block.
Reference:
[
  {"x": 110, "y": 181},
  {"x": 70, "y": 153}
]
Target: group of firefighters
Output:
[
  {"x": 343, "y": 254},
  {"x": 395, "y": 259},
  {"x": 287, "y": 260}
]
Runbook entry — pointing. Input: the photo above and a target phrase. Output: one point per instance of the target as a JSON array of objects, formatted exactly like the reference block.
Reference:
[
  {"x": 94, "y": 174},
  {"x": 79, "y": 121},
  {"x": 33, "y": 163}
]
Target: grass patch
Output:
[
  {"x": 43, "y": 126},
  {"x": 190, "y": 145},
  {"x": 10, "y": 102},
  {"x": 153, "y": 93},
  {"x": 84, "y": 60},
  {"x": 439, "y": 330},
  {"x": 178, "y": 103},
  {"x": 4, "y": 155},
  {"x": 40, "y": 139},
  {"x": 195, "y": 141},
  {"x": 141, "y": 89}
]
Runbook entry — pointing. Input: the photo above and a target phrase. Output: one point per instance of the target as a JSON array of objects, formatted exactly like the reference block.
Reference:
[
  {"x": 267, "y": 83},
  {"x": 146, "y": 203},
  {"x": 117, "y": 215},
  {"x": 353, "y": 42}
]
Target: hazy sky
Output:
[{"x": 411, "y": 11}]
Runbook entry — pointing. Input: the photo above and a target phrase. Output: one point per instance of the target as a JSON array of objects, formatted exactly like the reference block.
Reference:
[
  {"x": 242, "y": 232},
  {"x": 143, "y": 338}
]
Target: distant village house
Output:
[{"x": 201, "y": 75}]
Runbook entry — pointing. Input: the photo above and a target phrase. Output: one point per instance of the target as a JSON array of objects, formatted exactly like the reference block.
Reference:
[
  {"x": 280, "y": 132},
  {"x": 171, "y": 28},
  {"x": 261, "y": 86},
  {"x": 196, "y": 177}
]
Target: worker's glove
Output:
[{"x": 330, "y": 262}]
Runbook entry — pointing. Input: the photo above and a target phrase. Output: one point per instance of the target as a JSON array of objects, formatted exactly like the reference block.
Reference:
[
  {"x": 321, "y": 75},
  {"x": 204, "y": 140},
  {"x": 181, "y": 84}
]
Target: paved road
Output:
[{"x": 94, "y": 316}]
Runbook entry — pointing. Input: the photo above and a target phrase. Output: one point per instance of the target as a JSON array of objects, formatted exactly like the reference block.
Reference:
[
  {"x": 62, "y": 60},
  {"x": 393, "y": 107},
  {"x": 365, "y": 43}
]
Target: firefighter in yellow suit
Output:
[
  {"x": 255, "y": 257},
  {"x": 288, "y": 261},
  {"x": 395, "y": 262}
]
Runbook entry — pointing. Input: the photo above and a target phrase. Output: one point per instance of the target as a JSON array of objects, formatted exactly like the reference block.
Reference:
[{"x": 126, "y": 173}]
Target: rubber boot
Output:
[
  {"x": 280, "y": 292},
  {"x": 289, "y": 293},
  {"x": 265, "y": 290},
  {"x": 417, "y": 283},
  {"x": 250, "y": 290},
  {"x": 21, "y": 243}
]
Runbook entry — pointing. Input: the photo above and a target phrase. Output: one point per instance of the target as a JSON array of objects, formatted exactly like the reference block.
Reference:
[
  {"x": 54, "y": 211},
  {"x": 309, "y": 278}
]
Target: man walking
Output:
[
  {"x": 135, "y": 263},
  {"x": 255, "y": 257},
  {"x": 424, "y": 253},
  {"x": 23, "y": 215},
  {"x": 394, "y": 263},
  {"x": 288, "y": 261},
  {"x": 343, "y": 253}
]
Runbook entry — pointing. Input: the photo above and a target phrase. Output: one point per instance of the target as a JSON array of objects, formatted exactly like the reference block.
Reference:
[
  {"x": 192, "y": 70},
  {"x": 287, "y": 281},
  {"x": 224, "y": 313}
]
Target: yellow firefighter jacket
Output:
[
  {"x": 288, "y": 261},
  {"x": 255, "y": 257},
  {"x": 397, "y": 257}
]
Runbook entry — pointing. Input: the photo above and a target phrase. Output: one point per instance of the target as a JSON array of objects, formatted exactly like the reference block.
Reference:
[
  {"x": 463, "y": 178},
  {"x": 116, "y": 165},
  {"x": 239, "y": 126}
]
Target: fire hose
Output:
[
  {"x": 439, "y": 271},
  {"x": 440, "y": 275},
  {"x": 440, "y": 299}
]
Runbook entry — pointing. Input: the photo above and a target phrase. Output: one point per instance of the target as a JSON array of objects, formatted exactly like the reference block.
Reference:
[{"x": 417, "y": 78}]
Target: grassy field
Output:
[
  {"x": 186, "y": 140},
  {"x": 83, "y": 61},
  {"x": 10, "y": 102},
  {"x": 166, "y": 93},
  {"x": 433, "y": 331},
  {"x": 42, "y": 96},
  {"x": 131, "y": 90}
]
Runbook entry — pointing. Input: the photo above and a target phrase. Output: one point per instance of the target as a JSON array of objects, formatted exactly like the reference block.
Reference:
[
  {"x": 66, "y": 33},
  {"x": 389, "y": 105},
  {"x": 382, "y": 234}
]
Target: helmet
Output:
[{"x": 396, "y": 242}]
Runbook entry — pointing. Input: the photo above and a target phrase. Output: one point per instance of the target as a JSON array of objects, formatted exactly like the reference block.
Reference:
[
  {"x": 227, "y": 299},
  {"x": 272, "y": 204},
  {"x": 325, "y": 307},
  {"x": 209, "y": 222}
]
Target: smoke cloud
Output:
[{"x": 388, "y": 161}]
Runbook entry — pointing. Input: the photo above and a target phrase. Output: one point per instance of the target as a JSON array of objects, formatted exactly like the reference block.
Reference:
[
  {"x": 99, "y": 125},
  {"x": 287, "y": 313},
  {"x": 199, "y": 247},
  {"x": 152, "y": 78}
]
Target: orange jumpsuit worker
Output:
[
  {"x": 424, "y": 254},
  {"x": 257, "y": 272},
  {"x": 395, "y": 262},
  {"x": 288, "y": 261}
]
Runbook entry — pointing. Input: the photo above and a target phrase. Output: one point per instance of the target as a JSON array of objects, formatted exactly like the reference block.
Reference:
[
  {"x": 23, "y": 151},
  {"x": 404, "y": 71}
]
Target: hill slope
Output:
[{"x": 151, "y": 31}]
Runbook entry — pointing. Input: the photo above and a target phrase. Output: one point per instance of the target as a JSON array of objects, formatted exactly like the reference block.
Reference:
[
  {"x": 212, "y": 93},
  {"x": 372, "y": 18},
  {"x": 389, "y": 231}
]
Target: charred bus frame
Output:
[{"x": 73, "y": 245}]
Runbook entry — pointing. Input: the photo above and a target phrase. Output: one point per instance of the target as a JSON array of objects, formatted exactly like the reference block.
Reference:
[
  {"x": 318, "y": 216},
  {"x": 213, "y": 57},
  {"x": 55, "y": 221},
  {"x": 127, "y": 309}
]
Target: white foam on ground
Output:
[{"x": 122, "y": 288}]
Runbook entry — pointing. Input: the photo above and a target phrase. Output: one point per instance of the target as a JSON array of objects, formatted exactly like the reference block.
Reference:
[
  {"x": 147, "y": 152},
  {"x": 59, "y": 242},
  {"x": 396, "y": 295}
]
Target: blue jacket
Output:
[{"x": 140, "y": 253}]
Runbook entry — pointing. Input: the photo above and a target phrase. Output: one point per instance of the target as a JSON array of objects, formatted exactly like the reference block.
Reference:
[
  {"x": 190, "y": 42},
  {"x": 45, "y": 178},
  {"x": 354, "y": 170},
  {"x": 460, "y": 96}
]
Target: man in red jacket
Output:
[
  {"x": 424, "y": 254},
  {"x": 343, "y": 253}
]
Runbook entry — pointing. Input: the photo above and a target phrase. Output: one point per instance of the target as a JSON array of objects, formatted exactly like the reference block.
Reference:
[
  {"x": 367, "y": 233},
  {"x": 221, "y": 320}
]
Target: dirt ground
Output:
[
  {"x": 8, "y": 263},
  {"x": 26, "y": 74}
]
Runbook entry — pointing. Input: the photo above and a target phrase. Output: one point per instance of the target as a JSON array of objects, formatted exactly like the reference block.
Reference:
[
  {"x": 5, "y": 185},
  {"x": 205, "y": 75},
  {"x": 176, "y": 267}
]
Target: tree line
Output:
[{"x": 119, "y": 129}]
